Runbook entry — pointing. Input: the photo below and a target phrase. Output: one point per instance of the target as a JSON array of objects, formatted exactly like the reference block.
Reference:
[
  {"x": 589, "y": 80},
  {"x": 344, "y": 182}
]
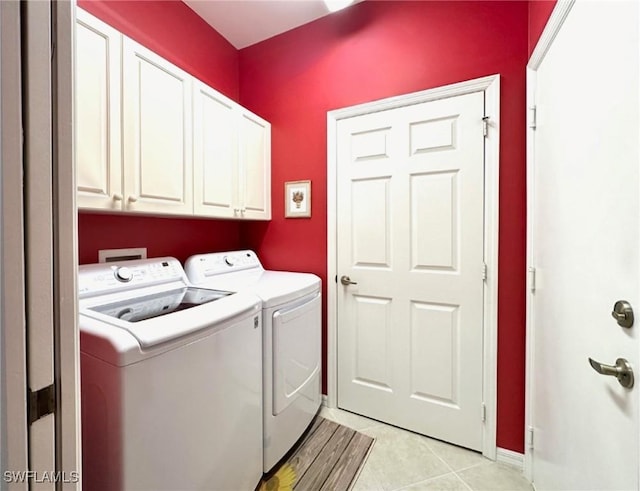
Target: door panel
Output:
[
  {"x": 160, "y": 122},
  {"x": 433, "y": 135},
  {"x": 586, "y": 250},
  {"x": 373, "y": 331},
  {"x": 410, "y": 234},
  {"x": 98, "y": 122},
  {"x": 255, "y": 162},
  {"x": 434, "y": 354},
  {"x": 434, "y": 207},
  {"x": 371, "y": 223},
  {"x": 157, "y": 116},
  {"x": 215, "y": 167}
]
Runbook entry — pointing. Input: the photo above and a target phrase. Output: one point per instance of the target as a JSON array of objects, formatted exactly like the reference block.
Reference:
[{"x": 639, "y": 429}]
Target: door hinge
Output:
[
  {"x": 530, "y": 436},
  {"x": 483, "y": 412},
  {"x": 484, "y": 271},
  {"x": 532, "y": 279},
  {"x": 485, "y": 126},
  {"x": 533, "y": 115},
  {"x": 40, "y": 403}
]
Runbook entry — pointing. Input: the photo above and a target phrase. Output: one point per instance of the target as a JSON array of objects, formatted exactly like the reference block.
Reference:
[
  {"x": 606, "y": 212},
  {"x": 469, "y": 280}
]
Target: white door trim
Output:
[
  {"x": 551, "y": 30},
  {"x": 67, "y": 341},
  {"x": 491, "y": 86}
]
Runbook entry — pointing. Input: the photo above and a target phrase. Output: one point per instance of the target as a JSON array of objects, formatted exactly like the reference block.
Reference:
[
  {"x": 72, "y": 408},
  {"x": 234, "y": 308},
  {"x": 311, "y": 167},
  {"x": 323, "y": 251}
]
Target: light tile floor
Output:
[{"x": 407, "y": 461}]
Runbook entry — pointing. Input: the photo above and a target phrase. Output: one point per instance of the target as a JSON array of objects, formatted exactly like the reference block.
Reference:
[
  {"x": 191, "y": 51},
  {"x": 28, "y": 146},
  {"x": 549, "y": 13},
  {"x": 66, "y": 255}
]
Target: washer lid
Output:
[
  {"x": 187, "y": 310},
  {"x": 145, "y": 307}
]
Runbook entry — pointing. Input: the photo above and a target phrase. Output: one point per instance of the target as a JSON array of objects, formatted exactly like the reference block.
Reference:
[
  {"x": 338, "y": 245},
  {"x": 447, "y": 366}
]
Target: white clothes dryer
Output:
[
  {"x": 171, "y": 380},
  {"x": 292, "y": 323}
]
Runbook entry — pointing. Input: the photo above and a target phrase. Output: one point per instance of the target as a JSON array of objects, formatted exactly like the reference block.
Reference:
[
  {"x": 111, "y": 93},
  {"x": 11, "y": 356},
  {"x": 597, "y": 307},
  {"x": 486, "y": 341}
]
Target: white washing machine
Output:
[
  {"x": 291, "y": 317},
  {"x": 171, "y": 380}
]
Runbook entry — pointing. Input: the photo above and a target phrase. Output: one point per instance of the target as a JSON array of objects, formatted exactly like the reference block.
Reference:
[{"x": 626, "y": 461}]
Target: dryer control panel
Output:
[
  {"x": 104, "y": 278},
  {"x": 203, "y": 266}
]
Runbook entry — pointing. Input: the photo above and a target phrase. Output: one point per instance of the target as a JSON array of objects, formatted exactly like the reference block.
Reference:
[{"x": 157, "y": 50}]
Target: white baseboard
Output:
[
  {"x": 324, "y": 400},
  {"x": 509, "y": 457}
]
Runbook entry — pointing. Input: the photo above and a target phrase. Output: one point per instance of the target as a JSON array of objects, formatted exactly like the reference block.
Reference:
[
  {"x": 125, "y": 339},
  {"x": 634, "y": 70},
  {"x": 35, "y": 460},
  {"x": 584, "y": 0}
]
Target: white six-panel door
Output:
[{"x": 410, "y": 184}]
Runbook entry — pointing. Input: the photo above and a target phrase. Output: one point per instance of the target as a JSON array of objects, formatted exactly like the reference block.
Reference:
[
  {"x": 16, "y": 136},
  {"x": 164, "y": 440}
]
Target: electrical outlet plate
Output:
[{"x": 113, "y": 255}]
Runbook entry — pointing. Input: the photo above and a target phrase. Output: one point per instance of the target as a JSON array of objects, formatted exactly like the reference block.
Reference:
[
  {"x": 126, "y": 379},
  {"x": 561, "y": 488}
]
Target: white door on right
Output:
[{"x": 586, "y": 250}]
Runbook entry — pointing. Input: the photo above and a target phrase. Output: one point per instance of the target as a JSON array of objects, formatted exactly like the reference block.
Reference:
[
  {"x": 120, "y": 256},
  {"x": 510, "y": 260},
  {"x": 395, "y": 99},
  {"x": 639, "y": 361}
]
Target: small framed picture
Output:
[{"x": 297, "y": 199}]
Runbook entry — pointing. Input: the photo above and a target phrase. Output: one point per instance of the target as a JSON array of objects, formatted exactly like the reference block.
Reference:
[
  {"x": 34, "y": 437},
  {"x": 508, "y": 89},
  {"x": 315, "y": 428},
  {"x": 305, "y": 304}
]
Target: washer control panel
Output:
[{"x": 105, "y": 277}]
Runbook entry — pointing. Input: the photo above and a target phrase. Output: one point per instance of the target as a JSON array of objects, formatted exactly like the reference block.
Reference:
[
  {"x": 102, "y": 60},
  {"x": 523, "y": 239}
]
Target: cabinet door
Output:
[
  {"x": 255, "y": 166},
  {"x": 215, "y": 155},
  {"x": 157, "y": 137},
  {"x": 97, "y": 125}
]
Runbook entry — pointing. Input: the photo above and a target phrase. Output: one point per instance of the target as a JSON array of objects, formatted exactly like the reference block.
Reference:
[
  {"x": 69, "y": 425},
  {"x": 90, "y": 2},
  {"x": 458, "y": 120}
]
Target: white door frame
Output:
[
  {"x": 491, "y": 86},
  {"x": 551, "y": 30},
  {"x": 58, "y": 175},
  {"x": 12, "y": 302}
]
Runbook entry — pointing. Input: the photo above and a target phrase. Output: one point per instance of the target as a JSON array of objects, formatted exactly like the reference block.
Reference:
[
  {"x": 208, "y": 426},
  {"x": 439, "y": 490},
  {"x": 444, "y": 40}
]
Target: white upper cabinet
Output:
[
  {"x": 97, "y": 125},
  {"x": 157, "y": 133},
  {"x": 232, "y": 158},
  {"x": 255, "y": 166},
  {"x": 215, "y": 152},
  {"x": 153, "y": 139}
]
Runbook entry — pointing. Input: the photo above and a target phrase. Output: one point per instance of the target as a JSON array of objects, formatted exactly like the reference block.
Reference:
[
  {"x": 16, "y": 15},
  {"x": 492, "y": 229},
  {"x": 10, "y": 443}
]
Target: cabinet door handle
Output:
[
  {"x": 117, "y": 197},
  {"x": 133, "y": 199}
]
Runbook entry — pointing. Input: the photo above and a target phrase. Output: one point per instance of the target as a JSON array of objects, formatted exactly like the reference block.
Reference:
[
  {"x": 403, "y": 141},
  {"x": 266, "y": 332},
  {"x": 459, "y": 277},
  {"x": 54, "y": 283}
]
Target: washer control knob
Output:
[
  {"x": 123, "y": 274},
  {"x": 229, "y": 261}
]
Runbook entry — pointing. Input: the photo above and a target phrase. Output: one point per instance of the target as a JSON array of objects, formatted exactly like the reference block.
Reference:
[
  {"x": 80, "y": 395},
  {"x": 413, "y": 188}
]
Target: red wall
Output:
[
  {"x": 378, "y": 49},
  {"x": 161, "y": 236},
  {"x": 174, "y": 31},
  {"x": 539, "y": 12},
  {"x": 177, "y": 33}
]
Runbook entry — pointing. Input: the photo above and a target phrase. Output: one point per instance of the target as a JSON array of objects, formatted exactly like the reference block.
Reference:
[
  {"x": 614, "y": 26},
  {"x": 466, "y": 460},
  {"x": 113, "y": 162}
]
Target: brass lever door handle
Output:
[
  {"x": 621, "y": 370},
  {"x": 345, "y": 280}
]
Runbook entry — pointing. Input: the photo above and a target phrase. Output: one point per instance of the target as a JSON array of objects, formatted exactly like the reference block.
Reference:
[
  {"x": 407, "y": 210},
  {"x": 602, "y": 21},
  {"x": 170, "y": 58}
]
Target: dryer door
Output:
[{"x": 296, "y": 353}]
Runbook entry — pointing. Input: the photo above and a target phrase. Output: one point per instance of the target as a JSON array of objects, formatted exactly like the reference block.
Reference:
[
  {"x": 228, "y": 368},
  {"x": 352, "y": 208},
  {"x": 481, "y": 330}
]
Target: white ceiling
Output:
[{"x": 246, "y": 22}]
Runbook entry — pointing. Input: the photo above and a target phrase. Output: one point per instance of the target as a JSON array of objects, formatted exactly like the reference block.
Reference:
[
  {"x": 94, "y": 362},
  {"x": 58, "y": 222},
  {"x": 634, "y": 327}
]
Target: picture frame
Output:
[{"x": 297, "y": 199}]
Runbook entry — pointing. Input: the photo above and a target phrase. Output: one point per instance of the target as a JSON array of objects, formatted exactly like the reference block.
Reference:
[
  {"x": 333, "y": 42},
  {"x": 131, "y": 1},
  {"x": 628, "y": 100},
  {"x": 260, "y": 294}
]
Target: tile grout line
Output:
[
  {"x": 466, "y": 484},
  {"x": 428, "y": 480}
]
